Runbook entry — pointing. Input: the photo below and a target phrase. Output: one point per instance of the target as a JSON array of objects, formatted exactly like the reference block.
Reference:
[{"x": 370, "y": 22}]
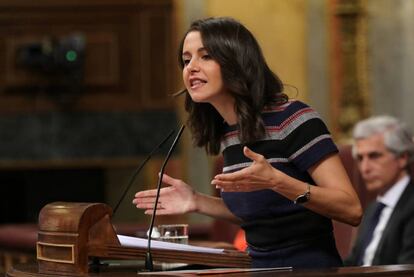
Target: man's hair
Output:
[{"x": 398, "y": 138}]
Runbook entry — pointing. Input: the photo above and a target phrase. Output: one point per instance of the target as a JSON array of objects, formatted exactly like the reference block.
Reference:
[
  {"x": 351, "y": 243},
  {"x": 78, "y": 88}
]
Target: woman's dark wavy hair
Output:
[{"x": 245, "y": 74}]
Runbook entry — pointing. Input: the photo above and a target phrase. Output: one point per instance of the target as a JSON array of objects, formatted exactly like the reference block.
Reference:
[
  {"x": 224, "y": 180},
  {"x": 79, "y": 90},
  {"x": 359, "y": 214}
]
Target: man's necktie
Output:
[{"x": 366, "y": 237}]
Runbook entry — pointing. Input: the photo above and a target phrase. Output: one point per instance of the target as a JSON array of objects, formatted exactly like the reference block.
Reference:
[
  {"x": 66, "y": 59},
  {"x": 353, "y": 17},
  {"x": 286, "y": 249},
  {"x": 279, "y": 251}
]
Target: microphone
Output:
[
  {"x": 149, "y": 265},
  {"x": 132, "y": 179}
]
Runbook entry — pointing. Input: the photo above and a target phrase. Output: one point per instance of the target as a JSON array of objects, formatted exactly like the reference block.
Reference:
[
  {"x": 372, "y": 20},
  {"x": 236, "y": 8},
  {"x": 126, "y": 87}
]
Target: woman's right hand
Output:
[{"x": 177, "y": 198}]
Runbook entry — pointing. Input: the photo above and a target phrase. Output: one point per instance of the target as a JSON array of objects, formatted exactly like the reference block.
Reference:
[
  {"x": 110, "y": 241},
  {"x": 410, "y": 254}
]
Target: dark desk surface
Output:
[{"x": 389, "y": 270}]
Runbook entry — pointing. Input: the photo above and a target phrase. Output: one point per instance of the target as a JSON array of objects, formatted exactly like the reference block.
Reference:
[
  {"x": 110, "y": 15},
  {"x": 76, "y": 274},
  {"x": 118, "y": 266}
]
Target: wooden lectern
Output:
[{"x": 71, "y": 234}]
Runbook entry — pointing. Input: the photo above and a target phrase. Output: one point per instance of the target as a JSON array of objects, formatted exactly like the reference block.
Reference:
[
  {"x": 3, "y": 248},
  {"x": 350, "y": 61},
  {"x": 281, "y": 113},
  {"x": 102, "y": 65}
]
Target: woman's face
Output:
[{"x": 201, "y": 74}]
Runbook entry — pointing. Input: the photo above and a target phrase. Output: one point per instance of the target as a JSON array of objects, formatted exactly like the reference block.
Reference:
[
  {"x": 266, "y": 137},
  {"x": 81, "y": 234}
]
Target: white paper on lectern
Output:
[{"x": 142, "y": 243}]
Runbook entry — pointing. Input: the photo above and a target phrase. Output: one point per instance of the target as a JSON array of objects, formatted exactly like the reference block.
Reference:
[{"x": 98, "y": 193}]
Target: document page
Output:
[{"x": 142, "y": 243}]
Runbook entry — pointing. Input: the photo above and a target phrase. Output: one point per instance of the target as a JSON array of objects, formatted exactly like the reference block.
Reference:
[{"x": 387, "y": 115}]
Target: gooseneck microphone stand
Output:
[
  {"x": 149, "y": 265},
  {"x": 132, "y": 179}
]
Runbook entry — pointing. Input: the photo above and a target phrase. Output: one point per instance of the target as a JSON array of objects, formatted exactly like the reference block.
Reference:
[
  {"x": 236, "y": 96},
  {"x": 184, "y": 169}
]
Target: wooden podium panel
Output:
[
  {"x": 383, "y": 271},
  {"x": 72, "y": 235}
]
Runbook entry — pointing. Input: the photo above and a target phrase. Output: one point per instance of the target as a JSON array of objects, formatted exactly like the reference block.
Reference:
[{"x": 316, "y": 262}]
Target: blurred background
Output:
[{"x": 85, "y": 87}]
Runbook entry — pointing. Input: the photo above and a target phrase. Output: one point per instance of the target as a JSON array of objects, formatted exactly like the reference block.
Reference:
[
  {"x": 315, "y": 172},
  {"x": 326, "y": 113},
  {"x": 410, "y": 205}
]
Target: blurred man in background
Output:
[{"x": 384, "y": 148}]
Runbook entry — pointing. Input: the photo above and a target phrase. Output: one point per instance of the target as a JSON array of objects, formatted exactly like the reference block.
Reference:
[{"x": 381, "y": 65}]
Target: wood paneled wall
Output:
[{"x": 128, "y": 54}]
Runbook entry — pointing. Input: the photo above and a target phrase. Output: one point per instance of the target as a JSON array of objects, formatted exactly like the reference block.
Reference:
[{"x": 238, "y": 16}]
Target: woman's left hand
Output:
[{"x": 259, "y": 175}]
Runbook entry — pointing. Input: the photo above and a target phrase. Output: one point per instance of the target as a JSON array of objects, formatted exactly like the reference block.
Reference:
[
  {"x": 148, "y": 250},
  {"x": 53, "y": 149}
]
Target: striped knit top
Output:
[{"x": 296, "y": 138}]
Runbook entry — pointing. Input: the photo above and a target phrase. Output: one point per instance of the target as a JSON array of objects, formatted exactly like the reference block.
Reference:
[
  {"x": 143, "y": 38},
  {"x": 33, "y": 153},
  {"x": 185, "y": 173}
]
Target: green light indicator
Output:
[{"x": 71, "y": 56}]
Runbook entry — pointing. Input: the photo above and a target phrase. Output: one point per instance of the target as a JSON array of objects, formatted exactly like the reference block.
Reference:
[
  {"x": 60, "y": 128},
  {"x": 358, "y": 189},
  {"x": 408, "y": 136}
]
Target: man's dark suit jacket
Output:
[{"x": 397, "y": 242}]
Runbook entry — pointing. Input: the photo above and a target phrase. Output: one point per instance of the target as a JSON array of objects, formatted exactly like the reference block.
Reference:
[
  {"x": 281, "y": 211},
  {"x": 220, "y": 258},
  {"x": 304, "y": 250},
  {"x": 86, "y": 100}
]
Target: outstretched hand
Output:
[
  {"x": 176, "y": 198},
  {"x": 259, "y": 175}
]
